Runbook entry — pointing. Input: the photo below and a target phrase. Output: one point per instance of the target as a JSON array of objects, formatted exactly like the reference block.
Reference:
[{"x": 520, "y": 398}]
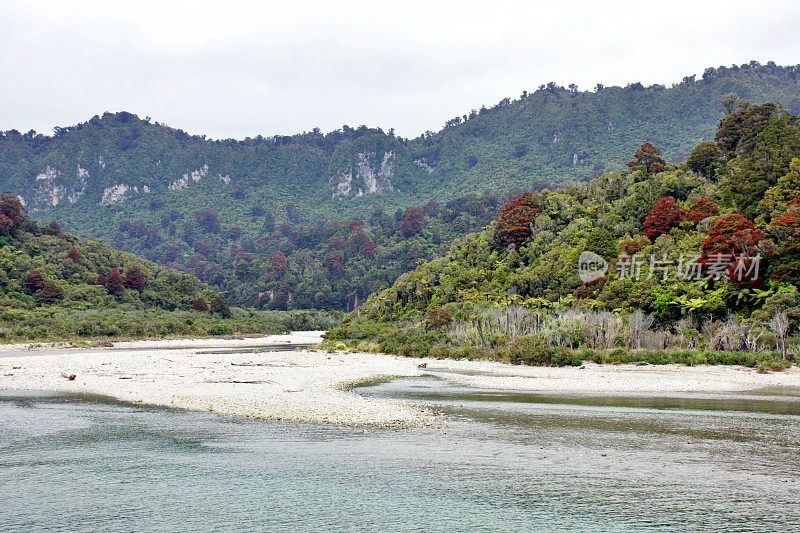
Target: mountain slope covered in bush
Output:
[
  {"x": 701, "y": 256},
  {"x": 54, "y": 285},
  {"x": 233, "y": 212}
]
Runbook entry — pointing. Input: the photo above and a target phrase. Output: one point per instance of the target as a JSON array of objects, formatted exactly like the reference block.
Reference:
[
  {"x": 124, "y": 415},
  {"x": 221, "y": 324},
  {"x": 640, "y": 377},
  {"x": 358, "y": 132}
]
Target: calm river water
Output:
[{"x": 500, "y": 462}]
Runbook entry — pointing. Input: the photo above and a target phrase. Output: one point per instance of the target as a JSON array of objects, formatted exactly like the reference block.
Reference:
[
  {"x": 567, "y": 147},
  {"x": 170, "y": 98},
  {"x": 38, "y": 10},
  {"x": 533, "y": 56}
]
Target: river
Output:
[{"x": 497, "y": 462}]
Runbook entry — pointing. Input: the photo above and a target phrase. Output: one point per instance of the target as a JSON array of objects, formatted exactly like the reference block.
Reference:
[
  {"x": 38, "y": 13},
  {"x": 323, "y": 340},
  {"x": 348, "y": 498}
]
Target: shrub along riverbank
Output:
[
  {"x": 516, "y": 335},
  {"x": 56, "y": 324}
]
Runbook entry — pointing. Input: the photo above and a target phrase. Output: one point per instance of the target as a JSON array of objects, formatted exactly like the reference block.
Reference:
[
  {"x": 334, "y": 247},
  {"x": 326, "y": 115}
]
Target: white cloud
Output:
[{"x": 236, "y": 69}]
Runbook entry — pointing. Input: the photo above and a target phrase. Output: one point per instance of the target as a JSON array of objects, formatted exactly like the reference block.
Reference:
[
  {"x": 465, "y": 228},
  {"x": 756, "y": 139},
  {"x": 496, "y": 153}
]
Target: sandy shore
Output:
[{"x": 220, "y": 376}]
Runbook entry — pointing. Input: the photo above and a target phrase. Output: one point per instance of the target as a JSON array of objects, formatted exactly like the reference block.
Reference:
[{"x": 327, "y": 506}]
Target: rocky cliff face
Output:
[
  {"x": 372, "y": 173},
  {"x": 50, "y": 188},
  {"x": 54, "y": 186}
]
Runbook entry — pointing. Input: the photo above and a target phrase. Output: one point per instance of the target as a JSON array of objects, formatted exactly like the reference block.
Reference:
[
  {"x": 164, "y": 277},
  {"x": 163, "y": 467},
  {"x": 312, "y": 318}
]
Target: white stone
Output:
[
  {"x": 193, "y": 176},
  {"x": 49, "y": 174},
  {"x": 374, "y": 181},
  {"x": 114, "y": 194}
]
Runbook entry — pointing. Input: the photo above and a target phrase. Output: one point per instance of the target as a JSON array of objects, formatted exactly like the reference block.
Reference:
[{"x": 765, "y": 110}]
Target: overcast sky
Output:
[{"x": 237, "y": 69}]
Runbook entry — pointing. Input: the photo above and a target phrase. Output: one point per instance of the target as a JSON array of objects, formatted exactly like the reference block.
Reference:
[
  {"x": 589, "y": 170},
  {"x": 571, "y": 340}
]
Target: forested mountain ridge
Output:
[
  {"x": 702, "y": 257},
  {"x": 261, "y": 217},
  {"x": 559, "y": 134}
]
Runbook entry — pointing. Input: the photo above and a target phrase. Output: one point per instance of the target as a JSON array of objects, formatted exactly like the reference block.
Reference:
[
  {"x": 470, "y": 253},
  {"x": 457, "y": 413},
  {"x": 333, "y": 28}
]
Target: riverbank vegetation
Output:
[
  {"x": 696, "y": 262},
  {"x": 129, "y": 323}
]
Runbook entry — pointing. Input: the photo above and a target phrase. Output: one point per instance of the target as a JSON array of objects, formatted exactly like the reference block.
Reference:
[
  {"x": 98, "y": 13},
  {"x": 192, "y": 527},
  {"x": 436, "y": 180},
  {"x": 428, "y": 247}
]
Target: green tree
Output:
[
  {"x": 704, "y": 159},
  {"x": 219, "y": 306}
]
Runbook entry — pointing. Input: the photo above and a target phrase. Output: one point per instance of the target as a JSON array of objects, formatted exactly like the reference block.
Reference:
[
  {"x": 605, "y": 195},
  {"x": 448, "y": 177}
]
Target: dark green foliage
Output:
[
  {"x": 246, "y": 192},
  {"x": 128, "y": 321},
  {"x": 785, "y": 230},
  {"x": 602, "y": 242},
  {"x": 759, "y": 143},
  {"x": 54, "y": 286},
  {"x": 704, "y": 159},
  {"x": 219, "y": 306}
]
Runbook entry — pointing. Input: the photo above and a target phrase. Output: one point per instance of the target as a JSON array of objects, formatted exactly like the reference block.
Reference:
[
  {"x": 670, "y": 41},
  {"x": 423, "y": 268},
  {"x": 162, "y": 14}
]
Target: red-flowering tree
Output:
[
  {"x": 701, "y": 208},
  {"x": 171, "y": 253},
  {"x": 33, "y": 281},
  {"x": 334, "y": 262},
  {"x": 633, "y": 245},
  {"x": 431, "y": 209},
  {"x": 356, "y": 226},
  {"x": 734, "y": 240},
  {"x": 51, "y": 292},
  {"x": 199, "y": 304},
  {"x": 208, "y": 219},
  {"x": 134, "y": 278},
  {"x": 12, "y": 214},
  {"x": 733, "y": 233},
  {"x": 74, "y": 254},
  {"x": 355, "y": 242},
  {"x": 368, "y": 248},
  {"x": 278, "y": 264},
  {"x": 114, "y": 284},
  {"x": 515, "y": 220},
  {"x": 785, "y": 230},
  {"x": 6, "y": 224},
  {"x": 413, "y": 222},
  {"x": 648, "y": 157},
  {"x": 235, "y": 233},
  {"x": 665, "y": 215}
]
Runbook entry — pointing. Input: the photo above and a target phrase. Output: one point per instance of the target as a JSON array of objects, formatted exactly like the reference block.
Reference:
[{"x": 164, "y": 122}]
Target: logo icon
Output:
[{"x": 591, "y": 267}]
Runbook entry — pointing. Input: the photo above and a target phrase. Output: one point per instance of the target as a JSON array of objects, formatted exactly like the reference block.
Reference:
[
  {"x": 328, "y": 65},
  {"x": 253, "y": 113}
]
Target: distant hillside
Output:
[
  {"x": 54, "y": 285},
  {"x": 557, "y": 134},
  {"x": 226, "y": 209},
  {"x": 45, "y": 266}
]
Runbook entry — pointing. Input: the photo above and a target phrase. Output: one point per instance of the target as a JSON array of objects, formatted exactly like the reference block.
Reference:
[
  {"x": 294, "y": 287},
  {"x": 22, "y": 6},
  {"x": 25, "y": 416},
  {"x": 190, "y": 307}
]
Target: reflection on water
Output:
[{"x": 499, "y": 462}]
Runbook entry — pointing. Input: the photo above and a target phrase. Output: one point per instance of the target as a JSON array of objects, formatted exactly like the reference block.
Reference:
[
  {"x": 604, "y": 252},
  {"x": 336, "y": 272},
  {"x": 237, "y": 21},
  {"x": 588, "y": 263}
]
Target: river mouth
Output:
[{"x": 499, "y": 460}]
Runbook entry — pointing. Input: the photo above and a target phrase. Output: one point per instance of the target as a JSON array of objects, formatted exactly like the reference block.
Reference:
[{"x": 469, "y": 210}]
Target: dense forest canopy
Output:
[
  {"x": 321, "y": 220},
  {"x": 54, "y": 285},
  {"x": 43, "y": 264},
  {"x": 701, "y": 254}
]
